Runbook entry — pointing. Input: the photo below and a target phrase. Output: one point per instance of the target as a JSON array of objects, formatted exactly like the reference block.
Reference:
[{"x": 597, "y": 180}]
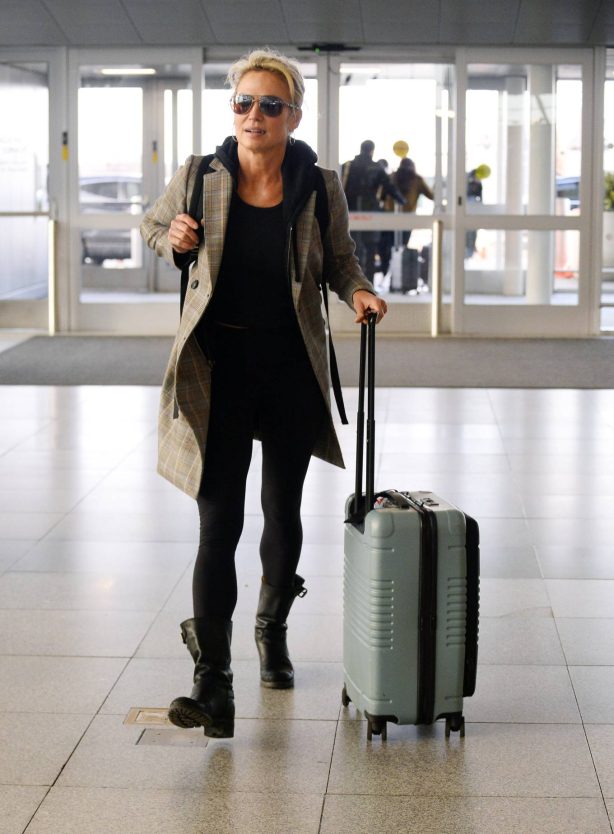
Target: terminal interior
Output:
[{"x": 104, "y": 103}]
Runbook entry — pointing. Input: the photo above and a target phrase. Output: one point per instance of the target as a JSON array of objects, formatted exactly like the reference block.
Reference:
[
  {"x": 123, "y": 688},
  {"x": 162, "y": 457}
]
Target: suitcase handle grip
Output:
[{"x": 362, "y": 505}]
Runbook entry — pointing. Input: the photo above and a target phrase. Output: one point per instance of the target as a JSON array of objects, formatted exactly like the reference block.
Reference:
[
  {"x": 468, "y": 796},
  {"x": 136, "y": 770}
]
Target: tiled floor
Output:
[{"x": 95, "y": 566}]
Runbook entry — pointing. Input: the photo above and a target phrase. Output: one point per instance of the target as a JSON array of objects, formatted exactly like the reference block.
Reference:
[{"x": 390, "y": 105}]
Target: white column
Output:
[
  {"x": 541, "y": 182},
  {"x": 514, "y": 118}
]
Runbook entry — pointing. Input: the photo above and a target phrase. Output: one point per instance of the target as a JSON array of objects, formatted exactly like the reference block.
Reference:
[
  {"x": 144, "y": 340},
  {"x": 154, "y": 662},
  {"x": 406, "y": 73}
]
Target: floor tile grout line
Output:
[
  {"x": 588, "y": 744},
  {"x": 37, "y": 809},
  {"x": 80, "y": 739},
  {"x": 330, "y": 767}
]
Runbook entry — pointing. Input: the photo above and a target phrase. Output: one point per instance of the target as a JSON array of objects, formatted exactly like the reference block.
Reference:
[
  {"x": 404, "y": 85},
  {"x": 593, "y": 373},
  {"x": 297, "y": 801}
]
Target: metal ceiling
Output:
[{"x": 398, "y": 23}]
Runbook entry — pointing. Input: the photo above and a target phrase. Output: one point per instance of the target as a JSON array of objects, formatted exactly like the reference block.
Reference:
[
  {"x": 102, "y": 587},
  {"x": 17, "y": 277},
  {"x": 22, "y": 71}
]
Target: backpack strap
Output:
[
  {"x": 322, "y": 216},
  {"x": 195, "y": 210}
]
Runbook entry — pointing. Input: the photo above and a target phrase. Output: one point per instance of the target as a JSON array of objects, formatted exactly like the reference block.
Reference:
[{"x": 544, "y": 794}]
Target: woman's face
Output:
[{"x": 255, "y": 131}]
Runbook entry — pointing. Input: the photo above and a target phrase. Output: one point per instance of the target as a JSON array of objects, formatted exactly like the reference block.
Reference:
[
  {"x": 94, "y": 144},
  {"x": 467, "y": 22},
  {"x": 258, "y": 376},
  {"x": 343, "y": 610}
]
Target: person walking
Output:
[
  {"x": 250, "y": 361},
  {"x": 411, "y": 185},
  {"x": 366, "y": 185}
]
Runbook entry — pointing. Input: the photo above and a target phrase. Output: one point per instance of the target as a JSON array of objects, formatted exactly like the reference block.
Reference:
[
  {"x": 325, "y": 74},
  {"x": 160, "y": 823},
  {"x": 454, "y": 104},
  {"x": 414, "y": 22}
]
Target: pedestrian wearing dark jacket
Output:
[{"x": 366, "y": 185}]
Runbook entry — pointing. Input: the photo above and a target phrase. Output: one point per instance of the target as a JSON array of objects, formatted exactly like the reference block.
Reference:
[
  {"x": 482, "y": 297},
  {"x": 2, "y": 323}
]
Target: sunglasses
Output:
[{"x": 242, "y": 103}]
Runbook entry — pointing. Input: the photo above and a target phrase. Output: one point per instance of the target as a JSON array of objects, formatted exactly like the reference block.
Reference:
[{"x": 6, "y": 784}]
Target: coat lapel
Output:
[{"x": 217, "y": 194}]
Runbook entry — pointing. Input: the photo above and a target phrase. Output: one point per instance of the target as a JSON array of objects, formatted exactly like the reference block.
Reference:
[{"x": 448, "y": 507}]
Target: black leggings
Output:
[{"x": 264, "y": 382}]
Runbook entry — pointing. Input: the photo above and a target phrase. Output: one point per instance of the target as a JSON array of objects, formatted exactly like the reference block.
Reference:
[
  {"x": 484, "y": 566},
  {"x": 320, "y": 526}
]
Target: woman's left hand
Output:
[{"x": 365, "y": 303}]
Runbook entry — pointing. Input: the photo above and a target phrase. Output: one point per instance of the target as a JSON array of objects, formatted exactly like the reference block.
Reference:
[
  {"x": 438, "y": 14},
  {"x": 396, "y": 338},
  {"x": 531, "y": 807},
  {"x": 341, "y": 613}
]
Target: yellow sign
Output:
[{"x": 401, "y": 148}]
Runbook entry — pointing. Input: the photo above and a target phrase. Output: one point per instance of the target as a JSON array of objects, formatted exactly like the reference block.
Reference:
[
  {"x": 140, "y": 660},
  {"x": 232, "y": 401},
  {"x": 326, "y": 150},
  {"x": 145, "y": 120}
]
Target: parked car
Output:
[
  {"x": 108, "y": 194},
  {"x": 569, "y": 187}
]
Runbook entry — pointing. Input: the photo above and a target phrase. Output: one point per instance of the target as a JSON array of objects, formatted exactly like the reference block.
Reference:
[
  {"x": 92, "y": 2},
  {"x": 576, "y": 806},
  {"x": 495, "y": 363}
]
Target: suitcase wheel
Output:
[
  {"x": 455, "y": 724},
  {"x": 377, "y": 726},
  {"x": 345, "y": 698}
]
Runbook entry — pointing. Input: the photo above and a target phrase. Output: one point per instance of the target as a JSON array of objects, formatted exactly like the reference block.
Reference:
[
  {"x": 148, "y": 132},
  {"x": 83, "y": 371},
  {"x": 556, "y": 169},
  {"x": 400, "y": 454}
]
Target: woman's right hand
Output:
[{"x": 182, "y": 233}]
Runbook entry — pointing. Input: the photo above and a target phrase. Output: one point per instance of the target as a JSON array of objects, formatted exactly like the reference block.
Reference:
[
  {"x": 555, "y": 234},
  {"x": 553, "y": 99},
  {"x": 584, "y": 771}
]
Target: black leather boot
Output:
[
  {"x": 274, "y": 605},
  {"x": 211, "y": 704}
]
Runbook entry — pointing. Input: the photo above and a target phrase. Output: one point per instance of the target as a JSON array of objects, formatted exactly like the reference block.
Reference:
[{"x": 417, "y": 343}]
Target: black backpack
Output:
[{"x": 195, "y": 210}]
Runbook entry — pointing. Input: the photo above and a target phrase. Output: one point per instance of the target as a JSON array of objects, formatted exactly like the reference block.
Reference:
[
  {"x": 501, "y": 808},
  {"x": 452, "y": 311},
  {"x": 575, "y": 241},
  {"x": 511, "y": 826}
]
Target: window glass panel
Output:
[
  {"x": 522, "y": 140},
  {"x": 24, "y": 270},
  {"x": 405, "y": 110},
  {"x": 521, "y": 267},
  {"x": 110, "y": 144},
  {"x": 24, "y": 137}
]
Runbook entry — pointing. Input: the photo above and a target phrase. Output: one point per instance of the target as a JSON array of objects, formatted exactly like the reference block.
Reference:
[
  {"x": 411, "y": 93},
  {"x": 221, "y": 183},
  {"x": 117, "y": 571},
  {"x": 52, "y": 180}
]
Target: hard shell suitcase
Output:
[
  {"x": 425, "y": 264},
  {"x": 404, "y": 270},
  {"x": 411, "y": 595}
]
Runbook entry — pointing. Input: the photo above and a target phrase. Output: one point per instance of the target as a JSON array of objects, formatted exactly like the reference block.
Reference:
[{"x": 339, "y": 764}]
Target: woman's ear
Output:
[{"x": 295, "y": 119}]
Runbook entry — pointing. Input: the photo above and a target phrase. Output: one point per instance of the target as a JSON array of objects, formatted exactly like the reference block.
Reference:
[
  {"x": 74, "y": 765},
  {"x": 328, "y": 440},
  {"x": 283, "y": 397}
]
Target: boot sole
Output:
[
  {"x": 277, "y": 684},
  {"x": 185, "y": 713}
]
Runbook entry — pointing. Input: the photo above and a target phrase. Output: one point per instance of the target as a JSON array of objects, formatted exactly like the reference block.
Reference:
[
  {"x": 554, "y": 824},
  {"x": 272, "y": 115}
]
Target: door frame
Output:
[
  {"x": 459, "y": 318},
  {"x": 524, "y": 320},
  {"x": 36, "y": 313},
  {"x": 414, "y": 317},
  {"x": 134, "y": 317}
]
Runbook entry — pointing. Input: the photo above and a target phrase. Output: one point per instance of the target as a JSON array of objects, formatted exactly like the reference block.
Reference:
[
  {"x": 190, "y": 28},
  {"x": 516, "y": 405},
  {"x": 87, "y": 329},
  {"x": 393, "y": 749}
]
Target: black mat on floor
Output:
[{"x": 447, "y": 362}]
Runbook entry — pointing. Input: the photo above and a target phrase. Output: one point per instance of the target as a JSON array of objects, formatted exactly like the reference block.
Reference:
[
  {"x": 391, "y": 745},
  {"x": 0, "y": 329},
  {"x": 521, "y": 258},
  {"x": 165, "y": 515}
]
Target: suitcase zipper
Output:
[{"x": 428, "y": 614}]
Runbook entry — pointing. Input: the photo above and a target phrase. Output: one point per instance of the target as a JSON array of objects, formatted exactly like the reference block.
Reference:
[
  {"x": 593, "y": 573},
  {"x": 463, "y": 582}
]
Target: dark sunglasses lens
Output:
[
  {"x": 271, "y": 106},
  {"x": 242, "y": 104}
]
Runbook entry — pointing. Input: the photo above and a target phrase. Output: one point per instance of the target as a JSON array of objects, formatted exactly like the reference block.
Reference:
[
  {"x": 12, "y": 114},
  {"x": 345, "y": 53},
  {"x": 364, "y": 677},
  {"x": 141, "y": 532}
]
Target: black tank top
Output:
[{"x": 252, "y": 288}]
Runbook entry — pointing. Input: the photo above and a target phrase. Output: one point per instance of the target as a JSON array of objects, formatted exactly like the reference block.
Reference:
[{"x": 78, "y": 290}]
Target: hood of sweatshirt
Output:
[{"x": 297, "y": 170}]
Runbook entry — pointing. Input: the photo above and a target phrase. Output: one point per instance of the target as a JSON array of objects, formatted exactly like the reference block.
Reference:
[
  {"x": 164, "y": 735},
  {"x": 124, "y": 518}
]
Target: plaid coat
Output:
[{"x": 186, "y": 389}]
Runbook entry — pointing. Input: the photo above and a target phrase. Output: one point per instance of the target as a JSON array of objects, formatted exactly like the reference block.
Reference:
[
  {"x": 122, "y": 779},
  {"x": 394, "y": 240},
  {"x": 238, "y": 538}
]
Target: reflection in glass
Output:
[
  {"x": 120, "y": 254},
  {"x": 111, "y": 248}
]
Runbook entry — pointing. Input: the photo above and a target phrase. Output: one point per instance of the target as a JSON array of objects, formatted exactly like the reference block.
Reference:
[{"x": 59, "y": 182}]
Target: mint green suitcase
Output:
[{"x": 411, "y": 596}]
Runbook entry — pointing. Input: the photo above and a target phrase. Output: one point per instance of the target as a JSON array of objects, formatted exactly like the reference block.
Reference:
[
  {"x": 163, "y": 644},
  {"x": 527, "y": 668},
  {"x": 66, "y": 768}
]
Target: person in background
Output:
[
  {"x": 474, "y": 195},
  {"x": 250, "y": 360},
  {"x": 366, "y": 185},
  {"x": 386, "y": 238},
  {"x": 411, "y": 185}
]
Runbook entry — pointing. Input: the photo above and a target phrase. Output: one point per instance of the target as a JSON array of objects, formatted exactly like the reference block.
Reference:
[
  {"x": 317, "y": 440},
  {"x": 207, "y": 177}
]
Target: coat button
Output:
[{"x": 194, "y": 284}]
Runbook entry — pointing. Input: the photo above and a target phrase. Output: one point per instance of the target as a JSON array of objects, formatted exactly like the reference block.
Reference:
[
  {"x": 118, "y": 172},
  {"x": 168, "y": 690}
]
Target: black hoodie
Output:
[{"x": 298, "y": 173}]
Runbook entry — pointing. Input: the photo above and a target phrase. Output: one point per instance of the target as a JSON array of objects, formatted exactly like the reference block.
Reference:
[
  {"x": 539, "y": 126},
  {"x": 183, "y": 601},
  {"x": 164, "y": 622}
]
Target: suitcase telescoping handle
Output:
[{"x": 362, "y": 504}]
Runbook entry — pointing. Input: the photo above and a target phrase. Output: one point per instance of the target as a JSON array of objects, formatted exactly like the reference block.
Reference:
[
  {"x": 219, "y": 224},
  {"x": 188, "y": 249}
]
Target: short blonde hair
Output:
[{"x": 271, "y": 61}]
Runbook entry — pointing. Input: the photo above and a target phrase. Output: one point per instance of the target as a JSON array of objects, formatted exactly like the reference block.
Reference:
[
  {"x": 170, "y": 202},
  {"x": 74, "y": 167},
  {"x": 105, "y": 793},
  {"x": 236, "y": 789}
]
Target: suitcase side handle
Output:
[{"x": 362, "y": 504}]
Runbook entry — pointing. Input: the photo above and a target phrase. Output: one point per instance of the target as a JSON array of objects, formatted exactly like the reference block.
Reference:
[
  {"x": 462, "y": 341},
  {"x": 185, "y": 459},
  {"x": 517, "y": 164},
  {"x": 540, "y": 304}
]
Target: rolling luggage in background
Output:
[
  {"x": 425, "y": 264},
  {"x": 410, "y": 595},
  {"x": 404, "y": 270}
]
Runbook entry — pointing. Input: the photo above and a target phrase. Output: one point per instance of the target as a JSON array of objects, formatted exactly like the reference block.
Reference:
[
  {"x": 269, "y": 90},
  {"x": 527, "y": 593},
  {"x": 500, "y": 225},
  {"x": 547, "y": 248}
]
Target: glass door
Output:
[
  {"x": 522, "y": 242},
  {"x": 398, "y": 114},
  {"x": 134, "y": 126},
  {"x": 24, "y": 194}
]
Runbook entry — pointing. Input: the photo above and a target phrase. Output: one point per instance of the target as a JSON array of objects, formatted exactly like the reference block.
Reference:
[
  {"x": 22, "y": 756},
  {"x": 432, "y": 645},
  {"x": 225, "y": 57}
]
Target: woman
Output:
[
  {"x": 250, "y": 360},
  {"x": 411, "y": 185}
]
